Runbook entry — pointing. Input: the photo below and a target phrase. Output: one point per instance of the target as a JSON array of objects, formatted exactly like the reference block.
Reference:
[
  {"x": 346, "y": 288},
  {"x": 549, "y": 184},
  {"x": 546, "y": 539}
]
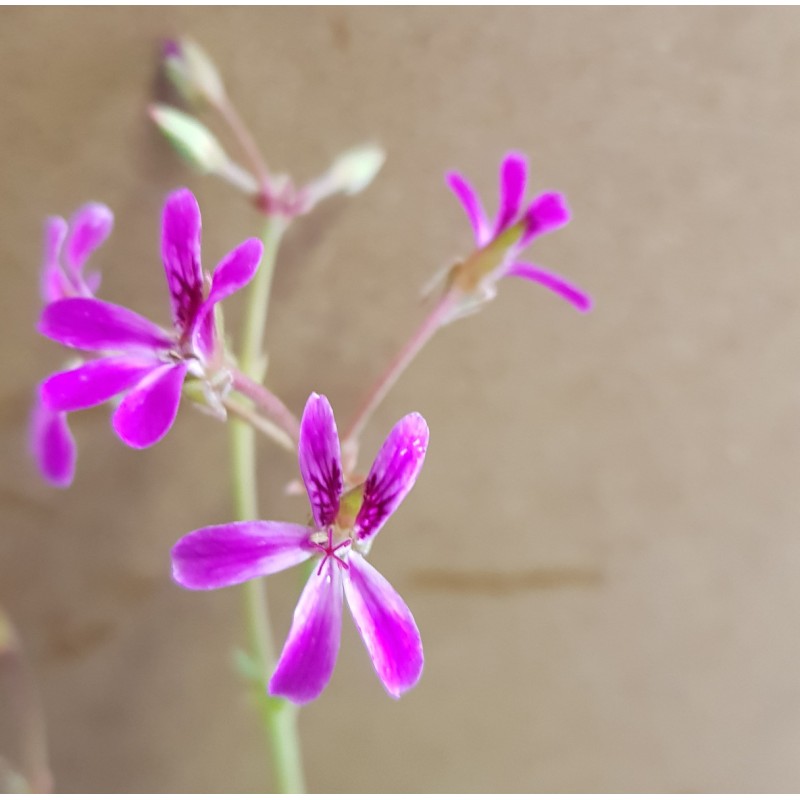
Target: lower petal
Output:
[
  {"x": 147, "y": 413},
  {"x": 93, "y": 383},
  {"x": 224, "y": 555},
  {"x": 91, "y": 324},
  {"x": 309, "y": 655},
  {"x": 386, "y": 626},
  {"x": 572, "y": 294},
  {"x": 53, "y": 445}
]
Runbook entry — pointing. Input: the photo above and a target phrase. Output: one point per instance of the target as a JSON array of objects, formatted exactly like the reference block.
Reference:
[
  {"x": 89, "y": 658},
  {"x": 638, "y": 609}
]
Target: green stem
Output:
[
  {"x": 267, "y": 403},
  {"x": 279, "y": 718},
  {"x": 251, "y": 358}
]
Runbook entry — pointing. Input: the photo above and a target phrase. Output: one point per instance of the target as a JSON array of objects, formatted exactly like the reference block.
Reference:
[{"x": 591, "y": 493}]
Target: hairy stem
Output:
[
  {"x": 268, "y": 403},
  {"x": 248, "y": 144},
  {"x": 423, "y": 334},
  {"x": 245, "y": 411},
  {"x": 279, "y": 718}
]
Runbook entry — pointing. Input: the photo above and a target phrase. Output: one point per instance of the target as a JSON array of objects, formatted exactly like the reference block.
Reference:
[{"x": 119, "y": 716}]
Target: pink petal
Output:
[
  {"x": 147, "y": 413},
  {"x": 572, "y": 294},
  {"x": 512, "y": 187},
  {"x": 223, "y": 555},
  {"x": 386, "y": 626},
  {"x": 472, "y": 205},
  {"x": 180, "y": 251},
  {"x": 392, "y": 474},
  {"x": 93, "y": 383},
  {"x": 309, "y": 655},
  {"x": 54, "y": 285},
  {"x": 234, "y": 272},
  {"x": 546, "y": 213},
  {"x": 52, "y": 445},
  {"x": 90, "y": 324},
  {"x": 89, "y": 228},
  {"x": 320, "y": 459}
]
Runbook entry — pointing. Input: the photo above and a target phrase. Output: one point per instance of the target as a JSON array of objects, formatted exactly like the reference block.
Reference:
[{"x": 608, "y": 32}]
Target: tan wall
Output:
[{"x": 603, "y": 550}]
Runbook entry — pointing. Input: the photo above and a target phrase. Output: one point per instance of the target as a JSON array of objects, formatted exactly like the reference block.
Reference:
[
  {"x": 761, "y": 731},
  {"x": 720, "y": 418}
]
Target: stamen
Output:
[{"x": 330, "y": 550}]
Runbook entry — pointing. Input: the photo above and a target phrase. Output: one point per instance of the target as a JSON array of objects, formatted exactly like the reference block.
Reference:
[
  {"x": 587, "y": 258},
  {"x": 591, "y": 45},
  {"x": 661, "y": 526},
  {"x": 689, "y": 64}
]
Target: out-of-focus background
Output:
[{"x": 603, "y": 549}]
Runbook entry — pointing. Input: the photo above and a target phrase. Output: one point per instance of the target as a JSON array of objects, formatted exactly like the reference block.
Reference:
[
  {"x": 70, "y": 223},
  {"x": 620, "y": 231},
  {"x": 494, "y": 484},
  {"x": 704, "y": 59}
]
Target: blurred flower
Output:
[
  {"x": 499, "y": 244},
  {"x": 67, "y": 248},
  {"x": 345, "y": 525},
  {"x": 139, "y": 358}
]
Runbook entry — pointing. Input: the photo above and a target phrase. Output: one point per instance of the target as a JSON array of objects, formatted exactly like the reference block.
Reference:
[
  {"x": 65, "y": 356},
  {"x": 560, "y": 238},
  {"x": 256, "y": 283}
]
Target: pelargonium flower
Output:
[
  {"x": 344, "y": 527},
  {"x": 500, "y": 242},
  {"x": 136, "y": 357},
  {"x": 67, "y": 248}
]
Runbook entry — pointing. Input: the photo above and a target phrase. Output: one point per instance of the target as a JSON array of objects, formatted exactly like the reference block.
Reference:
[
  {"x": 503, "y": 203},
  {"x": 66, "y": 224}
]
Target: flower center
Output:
[{"x": 324, "y": 542}]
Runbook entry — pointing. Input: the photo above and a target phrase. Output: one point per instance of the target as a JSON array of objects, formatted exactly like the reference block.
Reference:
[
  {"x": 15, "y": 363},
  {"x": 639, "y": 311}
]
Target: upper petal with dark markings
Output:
[
  {"x": 320, "y": 459},
  {"x": 393, "y": 474},
  {"x": 180, "y": 251}
]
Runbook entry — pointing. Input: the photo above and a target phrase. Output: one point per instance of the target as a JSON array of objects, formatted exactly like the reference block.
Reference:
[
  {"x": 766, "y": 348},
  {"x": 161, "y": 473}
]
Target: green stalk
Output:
[{"x": 278, "y": 717}]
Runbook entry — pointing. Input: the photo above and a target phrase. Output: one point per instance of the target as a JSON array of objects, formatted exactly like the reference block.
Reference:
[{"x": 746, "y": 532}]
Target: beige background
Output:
[{"x": 602, "y": 552}]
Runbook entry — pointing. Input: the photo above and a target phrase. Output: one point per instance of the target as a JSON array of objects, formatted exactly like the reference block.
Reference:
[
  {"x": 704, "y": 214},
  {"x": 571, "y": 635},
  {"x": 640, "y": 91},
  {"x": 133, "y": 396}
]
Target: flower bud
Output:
[
  {"x": 192, "y": 72},
  {"x": 198, "y": 146},
  {"x": 351, "y": 173},
  {"x": 355, "y": 169}
]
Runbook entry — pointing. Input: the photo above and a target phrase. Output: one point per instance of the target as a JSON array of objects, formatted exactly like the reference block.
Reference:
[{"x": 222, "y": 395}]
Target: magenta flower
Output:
[
  {"x": 500, "y": 243},
  {"x": 136, "y": 357},
  {"x": 344, "y": 527},
  {"x": 67, "y": 248}
]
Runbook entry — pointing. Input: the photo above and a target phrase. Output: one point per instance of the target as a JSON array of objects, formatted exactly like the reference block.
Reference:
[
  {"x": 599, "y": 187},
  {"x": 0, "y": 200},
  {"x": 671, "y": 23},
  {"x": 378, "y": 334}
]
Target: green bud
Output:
[
  {"x": 192, "y": 72},
  {"x": 355, "y": 169},
  {"x": 352, "y": 172},
  {"x": 198, "y": 146}
]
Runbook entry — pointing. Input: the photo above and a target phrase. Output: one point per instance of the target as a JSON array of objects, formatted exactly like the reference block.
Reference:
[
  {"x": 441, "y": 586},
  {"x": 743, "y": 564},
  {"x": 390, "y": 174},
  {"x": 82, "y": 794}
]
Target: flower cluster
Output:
[{"x": 123, "y": 355}]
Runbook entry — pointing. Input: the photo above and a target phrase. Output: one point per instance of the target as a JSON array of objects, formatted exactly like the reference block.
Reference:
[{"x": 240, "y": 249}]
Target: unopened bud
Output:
[
  {"x": 198, "y": 146},
  {"x": 351, "y": 173},
  {"x": 355, "y": 169},
  {"x": 192, "y": 72}
]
